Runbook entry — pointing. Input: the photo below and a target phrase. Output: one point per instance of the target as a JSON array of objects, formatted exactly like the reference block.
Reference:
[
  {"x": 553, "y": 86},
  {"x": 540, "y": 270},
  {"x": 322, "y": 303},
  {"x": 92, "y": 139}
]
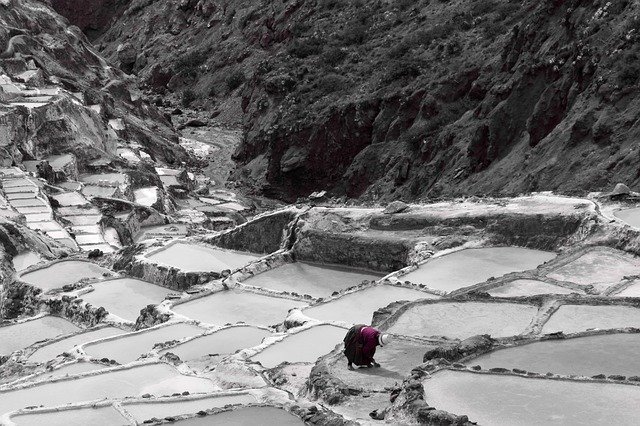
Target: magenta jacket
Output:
[{"x": 370, "y": 341}]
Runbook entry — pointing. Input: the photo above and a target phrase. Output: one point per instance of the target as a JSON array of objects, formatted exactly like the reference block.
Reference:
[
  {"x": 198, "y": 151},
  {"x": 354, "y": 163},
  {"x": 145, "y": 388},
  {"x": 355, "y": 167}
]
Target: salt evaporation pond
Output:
[
  {"x": 198, "y": 258},
  {"x": 155, "y": 379},
  {"x": 69, "y": 370},
  {"x": 507, "y": 400},
  {"x": 528, "y": 288},
  {"x": 314, "y": 280},
  {"x": 471, "y": 266},
  {"x": 102, "y": 416},
  {"x": 574, "y": 318},
  {"x": 358, "y": 307},
  {"x": 147, "y": 410},
  {"x": 23, "y": 334},
  {"x": 584, "y": 356},
  {"x": 630, "y": 216},
  {"x": 263, "y": 416},
  {"x": 305, "y": 346},
  {"x": 139, "y": 294},
  {"x": 63, "y": 273},
  {"x": 52, "y": 350},
  {"x": 230, "y": 307},
  {"x": 226, "y": 341},
  {"x": 23, "y": 260},
  {"x": 464, "y": 319},
  {"x": 129, "y": 347}
]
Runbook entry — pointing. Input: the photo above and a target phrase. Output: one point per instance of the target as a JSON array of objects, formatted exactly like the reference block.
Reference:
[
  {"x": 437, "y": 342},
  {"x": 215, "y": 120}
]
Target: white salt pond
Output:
[
  {"x": 130, "y": 346},
  {"x": 139, "y": 294},
  {"x": 26, "y": 259},
  {"x": 146, "y": 196},
  {"x": 305, "y": 346},
  {"x": 507, "y": 400},
  {"x": 358, "y": 307},
  {"x": 52, "y": 350},
  {"x": 518, "y": 288},
  {"x": 574, "y": 318},
  {"x": 62, "y": 273},
  {"x": 163, "y": 231},
  {"x": 472, "y": 266},
  {"x": 21, "y": 335},
  {"x": 465, "y": 319},
  {"x": 584, "y": 356},
  {"x": 263, "y": 416},
  {"x": 161, "y": 409},
  {"x": 107, "y": 178},
  {"x": 312, "y": 279},
  {"x": 599, "y": 266},
  {"x": 100, "y": 416},
  {"x": 230, "y": 307},
  {"x": 70, "y": 199},
  {"x": 629, "y": 216},
  {"x": 155, "y": 379},
  {"x": 226, "y": 341},
  {"x": 193, "y": 257}
]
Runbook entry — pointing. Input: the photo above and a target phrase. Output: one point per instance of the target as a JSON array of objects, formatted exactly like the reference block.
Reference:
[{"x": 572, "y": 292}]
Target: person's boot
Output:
[{"x": 350, "y": 366}]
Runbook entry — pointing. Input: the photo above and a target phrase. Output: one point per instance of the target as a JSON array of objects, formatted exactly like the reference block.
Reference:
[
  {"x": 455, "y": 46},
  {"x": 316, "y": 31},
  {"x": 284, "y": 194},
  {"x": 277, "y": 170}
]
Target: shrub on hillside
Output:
[
  {"x": 234, "y": 79},
  {"x": 188, "y": 96},
  {"x": 303, "y": 48}
]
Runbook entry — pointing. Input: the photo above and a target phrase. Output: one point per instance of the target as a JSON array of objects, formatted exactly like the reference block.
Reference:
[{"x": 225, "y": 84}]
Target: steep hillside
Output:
[{"x": 402, "y": 99}]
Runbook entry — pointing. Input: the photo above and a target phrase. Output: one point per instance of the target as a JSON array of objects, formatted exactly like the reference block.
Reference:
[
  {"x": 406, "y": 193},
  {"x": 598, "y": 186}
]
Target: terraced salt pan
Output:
[
  {"x": 584, "y": 356},
  {"x": 54, "y": 349},
  {"x": 528, "y": 288},
  {"x": 193, "y": 257},
  {"x": 311, "y": 279},
  {"x": 507, "y": 400},
  {"x": 230, "y": 307},
  {"x": 139, "y": 294},
  {"x": 22, "y": 195},
  {"x": 62, "y": 273},
  {"x": 162, "y": 231},
  {"x": 146, "y": 196},
  {"x": 70, "y": 199},
  {"x": 82, "y": 220},
  {"x": 630, "y": 216},
  {"x": 264, "y": 416},
  {"x": 226, "y": 341},
  {"x": 472, "y": 266},
  {"x": 98, "y": 191},
  {"x": 24, "y": 260},
  {"x": 305, "y": 346},
  {"x": 574, "y": 318},
  {"x": 599, "y": 267},
  {"x": 70, "y": 370},
  {"x": 358, "y": 307},
  {"x": 155, "y": 379},
  {"x": 31, "y": 202},
  {"x": 632, "y": 290},
  {"x": 106, "y": 178},
  {"x": 130, "y": 346},
  {"x": 148, "y": 410},
  {"x": 100, "y": 416},
  {"x": 21, "y": 335},
  {"x": 463, "y": 320}
]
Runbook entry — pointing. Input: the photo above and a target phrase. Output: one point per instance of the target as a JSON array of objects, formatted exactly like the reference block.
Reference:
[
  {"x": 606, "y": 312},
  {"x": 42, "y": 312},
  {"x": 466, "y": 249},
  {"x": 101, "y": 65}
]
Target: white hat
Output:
[{"x": 384, "y": 339}]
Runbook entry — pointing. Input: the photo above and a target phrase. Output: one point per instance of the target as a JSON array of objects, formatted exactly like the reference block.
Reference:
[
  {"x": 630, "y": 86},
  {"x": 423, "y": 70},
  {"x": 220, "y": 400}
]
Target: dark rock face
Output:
[
  {"x": 386, "y": 101},
  {"x": 93, "y": 17}
]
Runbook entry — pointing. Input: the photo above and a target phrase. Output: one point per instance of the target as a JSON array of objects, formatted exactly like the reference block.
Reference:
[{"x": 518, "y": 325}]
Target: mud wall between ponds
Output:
[
  {"x": 172, "y": 278},
  {"x": 263, "y": 235},
  {"x": 74, "y": 310},
  {"x": 20, "y": 299}
]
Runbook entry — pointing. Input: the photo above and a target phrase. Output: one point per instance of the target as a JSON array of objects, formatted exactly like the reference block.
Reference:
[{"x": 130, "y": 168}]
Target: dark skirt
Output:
[{"x": 353, "y": 344}]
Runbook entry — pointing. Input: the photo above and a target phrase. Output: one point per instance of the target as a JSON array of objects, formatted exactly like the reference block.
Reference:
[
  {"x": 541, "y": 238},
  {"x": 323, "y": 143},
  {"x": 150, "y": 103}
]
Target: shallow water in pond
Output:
[
  {"x": 585, "y": 356},
  {"x": 155, "y": 379},
  {"x": 358, "y": 307},
  {"x": 21, "y": 335},
  {"x": 52, "y": 350},
  {"x": 23, "y": 260},
  {"x": 264, "y": 416},
  {"x": 62, "y": 273},
  {"x": 504, "y": 400},
  {"x": 139, "y": 294},
  {"x": 129, "y": 347},
  {"x": 112, "y": 178},
  {"x": 472, "y": 266},
  {"x": 225, "y": 341},
  {"x": 146, "y": 411},
  {"x": 574, "y": 318},
  {"x": 463, "y": 320},
  {"x": 192, "y": 257},
  {"x": 314, "y": 280},
  {"x": 104, "y": 416},
  {"x": 305, "y": 346},
  {"x": 630, "y": 216},
  {"x": 230, "y": 307},
  {"x": 528, "y": 288}
]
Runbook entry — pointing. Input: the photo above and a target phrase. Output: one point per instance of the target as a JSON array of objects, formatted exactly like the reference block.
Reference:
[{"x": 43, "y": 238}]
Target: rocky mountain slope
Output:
[{"x": 401, "y": 99}]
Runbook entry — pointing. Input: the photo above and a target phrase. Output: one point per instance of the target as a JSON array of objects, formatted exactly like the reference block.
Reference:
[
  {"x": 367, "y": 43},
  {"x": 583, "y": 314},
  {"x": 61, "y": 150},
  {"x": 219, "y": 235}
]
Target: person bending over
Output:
[{"x": 360, "y": 345}]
